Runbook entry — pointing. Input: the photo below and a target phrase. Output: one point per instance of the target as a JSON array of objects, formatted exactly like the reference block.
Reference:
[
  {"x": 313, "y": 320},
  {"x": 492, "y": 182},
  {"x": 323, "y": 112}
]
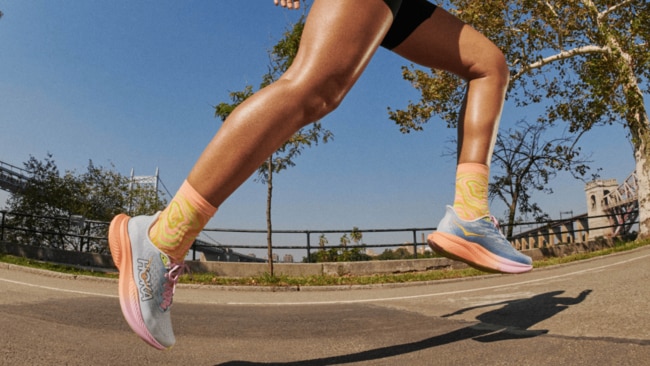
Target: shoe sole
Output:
[
  {"x": 120, "y": 245},
  {"x": 454, "y": 247}
]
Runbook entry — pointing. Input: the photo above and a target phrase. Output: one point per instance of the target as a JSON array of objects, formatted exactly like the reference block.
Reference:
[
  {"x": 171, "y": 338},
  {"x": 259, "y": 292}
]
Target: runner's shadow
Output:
[
  {"x": 514, "y": 319},
  {"x": 508, "y": 322}
]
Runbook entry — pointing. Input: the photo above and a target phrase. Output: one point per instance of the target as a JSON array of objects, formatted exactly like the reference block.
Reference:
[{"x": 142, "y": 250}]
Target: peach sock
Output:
[
  {"x": 471, "y": 200},
  {"x": 181, "y": 222}
]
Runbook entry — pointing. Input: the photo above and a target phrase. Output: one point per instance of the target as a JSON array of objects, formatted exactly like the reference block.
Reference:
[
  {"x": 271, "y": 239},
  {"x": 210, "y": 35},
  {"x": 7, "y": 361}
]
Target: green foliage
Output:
[
  {"x": 356, "y": 235},
  {"x": 326, "y": 280},
  {"x": 322, "y": 241},
  {"x": 524, "y": 161},
  {"x": 344, "y": 240},
  {"x": 588, "y": 61},
  {"x": 403, "y": 253},
  {"x": 338, "y": 254},
  {"x": 281, "y": 56},
  {"x": 399, "y": 253},
  {"x": 53, "y": 205},
  {"x": 587, "y": 57}
]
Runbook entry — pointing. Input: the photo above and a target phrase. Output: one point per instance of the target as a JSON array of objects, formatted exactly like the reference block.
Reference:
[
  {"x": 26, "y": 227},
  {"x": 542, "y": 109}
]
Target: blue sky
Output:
[{"x": 133, "y": 84}]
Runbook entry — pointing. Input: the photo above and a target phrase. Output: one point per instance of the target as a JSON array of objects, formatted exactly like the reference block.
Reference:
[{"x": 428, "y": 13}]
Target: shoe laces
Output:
[
  {"x": 495, "y": 222},
  {"x": 176, "y": 269}
]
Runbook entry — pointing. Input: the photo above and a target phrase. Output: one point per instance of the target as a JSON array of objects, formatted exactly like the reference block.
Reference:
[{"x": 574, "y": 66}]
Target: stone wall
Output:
[
  {"x": 243, "y": 269},
  {"x": 80, "y": 259}
]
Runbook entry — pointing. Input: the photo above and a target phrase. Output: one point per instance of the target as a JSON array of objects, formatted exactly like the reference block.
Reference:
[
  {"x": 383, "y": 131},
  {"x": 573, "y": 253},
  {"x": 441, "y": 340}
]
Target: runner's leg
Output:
[{"x": 337, "y": 43}]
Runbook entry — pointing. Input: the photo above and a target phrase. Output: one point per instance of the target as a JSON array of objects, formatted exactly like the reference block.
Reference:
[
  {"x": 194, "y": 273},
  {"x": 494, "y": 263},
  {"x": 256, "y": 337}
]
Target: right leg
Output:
[{"x": 337, "y": 43}]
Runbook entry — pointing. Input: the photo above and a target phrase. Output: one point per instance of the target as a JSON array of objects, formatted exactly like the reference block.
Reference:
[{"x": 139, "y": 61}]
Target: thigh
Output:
[
  {"x": 338, "y": 41},
  {"x": 445, "y": 42}
]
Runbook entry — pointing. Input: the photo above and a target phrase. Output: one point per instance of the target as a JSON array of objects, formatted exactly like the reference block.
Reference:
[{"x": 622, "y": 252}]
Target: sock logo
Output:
[{"x": 144, "y": 279}]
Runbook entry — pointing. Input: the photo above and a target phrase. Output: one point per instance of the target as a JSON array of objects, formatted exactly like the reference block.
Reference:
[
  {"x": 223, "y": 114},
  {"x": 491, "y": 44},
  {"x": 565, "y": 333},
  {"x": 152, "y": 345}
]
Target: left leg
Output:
[{"x": 444, "y": 42}]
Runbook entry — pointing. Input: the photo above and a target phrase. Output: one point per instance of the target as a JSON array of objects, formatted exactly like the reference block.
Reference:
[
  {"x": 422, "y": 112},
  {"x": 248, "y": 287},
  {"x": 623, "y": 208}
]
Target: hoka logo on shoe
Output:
[
  {"x": 144, "y": 279},
  {"x": 465, "y": 231}
]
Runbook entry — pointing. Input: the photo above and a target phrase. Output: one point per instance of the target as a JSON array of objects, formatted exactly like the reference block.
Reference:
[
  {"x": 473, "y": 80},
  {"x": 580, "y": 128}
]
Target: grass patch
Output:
[
  {"x": 325, "y": 280},
  {"x": 60, "y": 268},
  {"x": 618, "y": 247}
]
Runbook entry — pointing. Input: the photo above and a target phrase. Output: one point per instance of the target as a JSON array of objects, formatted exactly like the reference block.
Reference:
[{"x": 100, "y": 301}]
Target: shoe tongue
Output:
[
  {"x": 493, "y": 220},
  {"x": 165, "y": 259}
]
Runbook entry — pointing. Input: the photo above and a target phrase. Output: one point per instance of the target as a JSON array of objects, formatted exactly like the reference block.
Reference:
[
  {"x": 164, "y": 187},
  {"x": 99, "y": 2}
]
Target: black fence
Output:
[
  {"x": 75, "y": 233},
  {"x": 308, "y": 241}
]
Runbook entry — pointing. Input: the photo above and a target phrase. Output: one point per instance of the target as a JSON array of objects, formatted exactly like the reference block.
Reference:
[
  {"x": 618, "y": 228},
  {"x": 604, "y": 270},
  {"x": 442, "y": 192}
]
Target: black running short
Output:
[{"x": 408, "y": 15}]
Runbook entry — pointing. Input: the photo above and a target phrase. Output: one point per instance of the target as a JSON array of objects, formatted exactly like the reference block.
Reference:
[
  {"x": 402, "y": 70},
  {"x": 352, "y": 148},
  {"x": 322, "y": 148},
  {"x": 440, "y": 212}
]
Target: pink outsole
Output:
[
  {"x": 472, "y": 254},
  {"x": 119, "y": 243}
]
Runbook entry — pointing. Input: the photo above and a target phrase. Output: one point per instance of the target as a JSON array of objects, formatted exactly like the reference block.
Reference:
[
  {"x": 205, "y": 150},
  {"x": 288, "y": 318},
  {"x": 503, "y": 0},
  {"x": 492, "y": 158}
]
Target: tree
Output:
[
  {"x": 52, "y": 205},
  {"x": 399, "y": 253},
  {"x": 322, "y": 241},
  {"x": 345, "y": 240},
  {"x": 525, "y": 161},
  {"x": 281, "y": 56},
  {"x": 588, "y": 60},
  {"x": 356, "y": 235}
]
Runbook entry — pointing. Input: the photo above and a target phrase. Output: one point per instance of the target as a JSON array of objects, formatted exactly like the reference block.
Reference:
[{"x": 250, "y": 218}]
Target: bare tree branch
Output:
[
  {"x": 561, "y": 56},
  {"x": 613, "y": 8}
]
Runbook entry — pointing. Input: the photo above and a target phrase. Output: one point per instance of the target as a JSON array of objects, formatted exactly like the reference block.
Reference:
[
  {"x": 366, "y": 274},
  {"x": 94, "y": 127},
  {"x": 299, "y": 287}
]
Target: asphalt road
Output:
[{"x": 595, "y": 312}]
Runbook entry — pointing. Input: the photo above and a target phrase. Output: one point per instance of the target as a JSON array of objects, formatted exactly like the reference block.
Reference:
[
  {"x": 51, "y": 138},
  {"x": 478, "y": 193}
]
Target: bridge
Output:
[
  {"x": 215, "y": 252},
  {"x": 12, "y": 178},
  {"x": 612, "y": 210},
  {"x": 622, "y": 205}
]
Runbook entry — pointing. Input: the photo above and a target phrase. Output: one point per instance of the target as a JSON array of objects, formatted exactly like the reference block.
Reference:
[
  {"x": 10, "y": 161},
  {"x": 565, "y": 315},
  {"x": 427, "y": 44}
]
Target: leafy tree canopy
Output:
[
  {"x": 69, "y": 210},
  {"x": 586, "y": 60},
  {"x": 97, "y": 194}
]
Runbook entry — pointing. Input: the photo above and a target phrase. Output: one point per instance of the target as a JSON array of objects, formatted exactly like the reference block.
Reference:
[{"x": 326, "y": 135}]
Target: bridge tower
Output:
[
  {"x": 145, "y": 180},
  {"x": 596, "y": 191},
  {"x": 622, "y": 205},
  {"x": 148, "y": 181}
]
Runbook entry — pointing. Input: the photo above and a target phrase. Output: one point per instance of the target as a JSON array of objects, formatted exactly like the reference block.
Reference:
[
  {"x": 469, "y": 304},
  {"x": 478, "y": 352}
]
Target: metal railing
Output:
[
  {"x": 12, "y": 178},
  {"x": 73, "y": 233},
  {"x": 77, "y": 234},
  {"x": 310, "y": 245}
]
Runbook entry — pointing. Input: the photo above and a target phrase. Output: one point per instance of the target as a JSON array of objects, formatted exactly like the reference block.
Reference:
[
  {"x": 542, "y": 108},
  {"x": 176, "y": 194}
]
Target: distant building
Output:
[
  {"x": 288, "y": 258},
  {"x": 422, "y": 249},
  {"x": 612, "y": 210},
  {"x": 596, "y": 192}
]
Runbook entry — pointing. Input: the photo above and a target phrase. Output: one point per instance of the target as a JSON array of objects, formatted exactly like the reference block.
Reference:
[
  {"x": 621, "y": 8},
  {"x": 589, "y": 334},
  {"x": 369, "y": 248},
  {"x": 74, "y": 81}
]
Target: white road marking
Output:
[
  {"x": 56, "y": 288},
  {"x": 334, "y": 302},
  {"x": 440, "y": 293}
]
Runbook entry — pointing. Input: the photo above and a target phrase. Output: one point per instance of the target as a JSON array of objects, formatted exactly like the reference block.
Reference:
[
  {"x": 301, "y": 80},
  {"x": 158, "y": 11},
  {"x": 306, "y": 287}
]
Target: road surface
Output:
[{"x": 594, "y": 312}]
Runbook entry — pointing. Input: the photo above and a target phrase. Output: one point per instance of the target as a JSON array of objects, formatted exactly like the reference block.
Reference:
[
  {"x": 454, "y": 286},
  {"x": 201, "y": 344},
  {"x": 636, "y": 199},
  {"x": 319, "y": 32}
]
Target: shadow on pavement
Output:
[{"x": 511, "y": 321}]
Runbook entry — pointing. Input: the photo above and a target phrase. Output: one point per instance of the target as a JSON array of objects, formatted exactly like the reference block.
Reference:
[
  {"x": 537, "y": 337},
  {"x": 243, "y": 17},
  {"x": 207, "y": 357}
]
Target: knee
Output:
[
  {"x": 316, "y": 95},
  {"x": 493, "y": 66},
  {"x": 323, "y": 98},
  {"x": 500, "y": 67}
]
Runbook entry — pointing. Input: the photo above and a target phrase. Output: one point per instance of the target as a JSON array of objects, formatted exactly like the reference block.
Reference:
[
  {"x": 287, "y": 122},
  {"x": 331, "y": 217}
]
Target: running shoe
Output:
[
  {"x": 147, "y": 279},
  {"x": 478, "y": 243}
]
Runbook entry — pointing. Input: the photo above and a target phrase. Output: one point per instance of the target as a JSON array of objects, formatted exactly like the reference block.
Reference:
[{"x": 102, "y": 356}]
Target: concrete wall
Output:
[
  {"x": 242, "y": 269},
  {"x": 93, "y": 260},
  {"x": 230, "y": 269}
]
